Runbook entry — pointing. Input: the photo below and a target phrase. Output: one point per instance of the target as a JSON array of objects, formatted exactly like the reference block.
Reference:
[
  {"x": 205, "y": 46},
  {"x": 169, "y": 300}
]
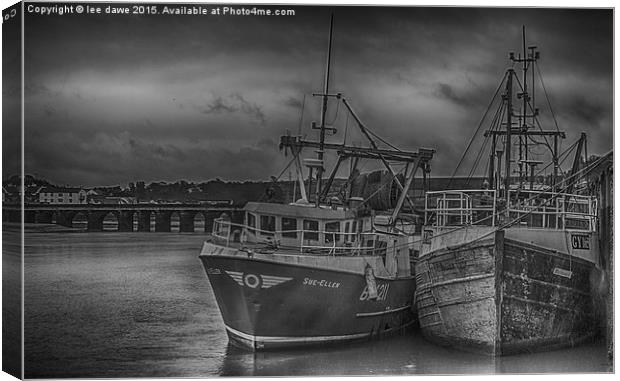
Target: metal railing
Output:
[
  {"x": 460, "y": 207},
  {"x": 552, "y": 210},
  {"x": 528, "y": 208},
  {"x": 336, "y": 242}
]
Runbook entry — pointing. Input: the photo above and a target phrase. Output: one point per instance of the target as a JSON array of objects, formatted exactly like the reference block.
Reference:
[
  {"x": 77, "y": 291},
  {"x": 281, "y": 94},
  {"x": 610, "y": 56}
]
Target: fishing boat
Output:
[
  {"x": 326, "y": 267},
  {"x": 506, "y": 268}
]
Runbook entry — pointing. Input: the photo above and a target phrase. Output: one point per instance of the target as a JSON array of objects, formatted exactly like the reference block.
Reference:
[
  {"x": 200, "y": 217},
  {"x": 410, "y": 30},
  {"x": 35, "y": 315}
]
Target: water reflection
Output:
[
  {"x": 400, "y": 355},
  {"x": 406, "y": 355}
]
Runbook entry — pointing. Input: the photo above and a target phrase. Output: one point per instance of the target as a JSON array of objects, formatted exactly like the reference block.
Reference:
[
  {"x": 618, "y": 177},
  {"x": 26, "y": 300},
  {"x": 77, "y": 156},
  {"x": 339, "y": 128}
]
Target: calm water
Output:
[{"x": 138, "y": 304}]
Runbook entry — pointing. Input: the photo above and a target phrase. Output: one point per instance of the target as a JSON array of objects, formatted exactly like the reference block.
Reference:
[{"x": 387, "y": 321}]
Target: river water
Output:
[{"x": 139, "y": 305}]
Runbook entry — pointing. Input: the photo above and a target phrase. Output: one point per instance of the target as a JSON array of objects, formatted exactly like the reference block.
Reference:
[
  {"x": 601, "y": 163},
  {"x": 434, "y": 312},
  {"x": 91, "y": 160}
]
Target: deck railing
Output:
[
  {"x": 552, "y": 210},
  {"x": 460, "y": 207},
  {"x": 527, "y": 208},
  {"x": 335, "y": 242}
]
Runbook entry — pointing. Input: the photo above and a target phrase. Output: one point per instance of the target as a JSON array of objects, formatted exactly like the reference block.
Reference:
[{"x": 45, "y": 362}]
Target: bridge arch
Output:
[
  {"x": 78, "y": 220},
  {"x": 126, "y": 220},
  {"x": 200, "y": 221},
  {"x": 110, "y": 221},
  {"x": 175, "y": 221},
  {"x": 187, "y": 221},
  {"x": 142, "y": 221},
  {"x": 153, "y": 221},
  {"x": 163, "y": 221},
  {"x": 43, "y": 217},
  {"x": 138, "y": 217}
]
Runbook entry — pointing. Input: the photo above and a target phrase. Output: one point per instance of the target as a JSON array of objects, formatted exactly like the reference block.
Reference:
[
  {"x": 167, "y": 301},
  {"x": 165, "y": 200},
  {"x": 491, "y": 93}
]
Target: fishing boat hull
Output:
[
  {"x": 267, "y": 304},
  {"x": 499, "y": 295}
]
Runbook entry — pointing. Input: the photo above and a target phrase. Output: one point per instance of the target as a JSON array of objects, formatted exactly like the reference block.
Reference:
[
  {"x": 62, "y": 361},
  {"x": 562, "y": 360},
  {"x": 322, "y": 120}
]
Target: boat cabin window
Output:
[
  {"x": 311, "y": 229},
  {"x": 267, "y": 224},
  {"x": 251, "y": 222},
  {"x": 347, "y": 226},
  {"x": 360, "y": 226},
  {"x": 289, "y": 227},
  {"x": 329, "y": 228}
]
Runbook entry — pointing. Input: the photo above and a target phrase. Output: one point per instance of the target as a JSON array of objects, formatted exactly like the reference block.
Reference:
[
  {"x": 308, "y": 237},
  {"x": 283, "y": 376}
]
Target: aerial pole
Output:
[
  {"x": 508, "y": 129},
  {"x": 492, "y": 163},
  {"x": 319, "y": 171},
  {"x": 523, "y": 130},
  {"x": 419, "y": 158},
  {"x": 522, "y": 141}
]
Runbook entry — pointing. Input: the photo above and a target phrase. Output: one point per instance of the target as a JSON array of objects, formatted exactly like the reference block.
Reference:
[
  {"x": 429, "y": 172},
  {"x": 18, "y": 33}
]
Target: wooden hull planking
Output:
[{"x": 500, "y": 296}]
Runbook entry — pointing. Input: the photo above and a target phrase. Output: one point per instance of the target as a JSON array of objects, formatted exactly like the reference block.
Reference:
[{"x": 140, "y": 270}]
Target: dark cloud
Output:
[
  {"x": 110, "y": 159},
  {"x": 217, "y": 106},
  {"x": 178, "y": 97},
  {"x": 590, "y": 114},
  {"x": 232, "y": 104},
  {"x": 293, "y": 102},
  {"x": 445, "y": 91},
  {"x": 155, "y": 151},
  {"x": 249, "y": 108}
]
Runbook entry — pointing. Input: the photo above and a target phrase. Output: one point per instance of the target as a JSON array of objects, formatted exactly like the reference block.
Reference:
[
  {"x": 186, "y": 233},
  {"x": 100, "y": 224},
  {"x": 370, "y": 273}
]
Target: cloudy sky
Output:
[{"x": 113, "y": 99}]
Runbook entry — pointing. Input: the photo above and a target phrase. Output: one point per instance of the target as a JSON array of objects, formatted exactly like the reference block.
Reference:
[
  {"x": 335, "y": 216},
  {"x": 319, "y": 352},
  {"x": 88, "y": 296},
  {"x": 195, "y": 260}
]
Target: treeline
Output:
[{"x": 161, "y": 191}]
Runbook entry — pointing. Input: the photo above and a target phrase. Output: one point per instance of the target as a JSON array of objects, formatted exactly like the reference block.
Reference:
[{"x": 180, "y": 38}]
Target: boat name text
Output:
[{"x": 320, "y": 283}]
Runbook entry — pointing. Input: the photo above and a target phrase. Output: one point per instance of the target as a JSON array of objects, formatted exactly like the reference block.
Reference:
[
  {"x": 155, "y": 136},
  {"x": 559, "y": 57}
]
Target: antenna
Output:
[
  {"x": 523, "y": 131},
  {"x": 320, "y": 151}
]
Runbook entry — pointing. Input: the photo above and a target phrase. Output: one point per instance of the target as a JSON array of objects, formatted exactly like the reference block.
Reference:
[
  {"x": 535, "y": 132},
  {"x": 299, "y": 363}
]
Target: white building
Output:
[{"x": 54, "y": 195}]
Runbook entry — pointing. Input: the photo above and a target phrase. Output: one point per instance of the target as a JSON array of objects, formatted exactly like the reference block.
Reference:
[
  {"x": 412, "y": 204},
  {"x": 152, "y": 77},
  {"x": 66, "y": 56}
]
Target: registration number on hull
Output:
[
  {"x": 580, "y": 241},
  {"x": 382, "y": 292}
]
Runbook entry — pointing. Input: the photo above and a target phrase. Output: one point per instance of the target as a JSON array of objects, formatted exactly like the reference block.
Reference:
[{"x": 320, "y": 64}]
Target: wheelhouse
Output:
[{"x": 300, "y": 226}]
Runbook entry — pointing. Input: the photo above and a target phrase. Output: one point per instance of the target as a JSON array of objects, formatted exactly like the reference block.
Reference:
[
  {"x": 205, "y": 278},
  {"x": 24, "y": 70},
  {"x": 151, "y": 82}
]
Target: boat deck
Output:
[{"x": 350, "y": 263}]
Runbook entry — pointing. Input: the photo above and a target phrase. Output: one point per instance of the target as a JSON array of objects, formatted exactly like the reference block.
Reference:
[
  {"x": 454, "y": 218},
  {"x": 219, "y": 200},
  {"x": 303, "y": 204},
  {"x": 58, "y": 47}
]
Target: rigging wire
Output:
[
  {"x": 262, "y": 198},
  {"x": 346, "y": 130},
  {"x": 548, "y": 100},
  {"x": 535, "y": 118},
  {"x": 547, "y": 97},
  {"x": 477, "y": 161},
  {"x": 336, "y": 115},
  {"x": 495, "y": 125},
  {"x": 381, "y": 139},
  {"x": 508, "y": 224},
  {"x": 301, "y": 117},
  {"x": 554, "y": 195},
  {"x": 566, "y": 152},
  {"x": 477, "y": 130}
]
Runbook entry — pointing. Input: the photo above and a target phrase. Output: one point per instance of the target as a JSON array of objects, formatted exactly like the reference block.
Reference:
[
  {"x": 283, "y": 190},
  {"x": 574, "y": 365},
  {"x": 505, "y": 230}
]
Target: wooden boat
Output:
[
  {"x": 319, "y": 270},
  {"x": 507, "y": 268}
]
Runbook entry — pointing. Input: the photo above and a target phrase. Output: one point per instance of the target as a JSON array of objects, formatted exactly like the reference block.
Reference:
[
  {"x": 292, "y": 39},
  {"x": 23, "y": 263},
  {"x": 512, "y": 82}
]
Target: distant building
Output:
[
  {"x": 12, "y": 193},
  {"x": 58, "y": 195},
  {"x": 111, "y": 200}
]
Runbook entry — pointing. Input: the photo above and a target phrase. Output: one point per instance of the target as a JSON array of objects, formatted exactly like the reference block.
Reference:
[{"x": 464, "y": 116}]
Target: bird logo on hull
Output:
[{"x": 256, "y": 281}]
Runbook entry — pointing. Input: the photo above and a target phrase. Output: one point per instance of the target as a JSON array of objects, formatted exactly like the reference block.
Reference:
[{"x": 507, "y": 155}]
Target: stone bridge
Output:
[{"x": 130, "y": 217}]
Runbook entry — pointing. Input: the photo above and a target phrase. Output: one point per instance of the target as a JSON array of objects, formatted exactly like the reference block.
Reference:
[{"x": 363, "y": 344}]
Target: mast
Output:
[
  {"x": 576, "y": 161},
  {"x": 296, "y": 144},
  {"x": 508, "y": 129},
  {"x": 319, "y": 171},
  {"x": 523, "y": 131},
  {"x": 491, "y": 178},
  {"x": 522, "y": 141}
]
